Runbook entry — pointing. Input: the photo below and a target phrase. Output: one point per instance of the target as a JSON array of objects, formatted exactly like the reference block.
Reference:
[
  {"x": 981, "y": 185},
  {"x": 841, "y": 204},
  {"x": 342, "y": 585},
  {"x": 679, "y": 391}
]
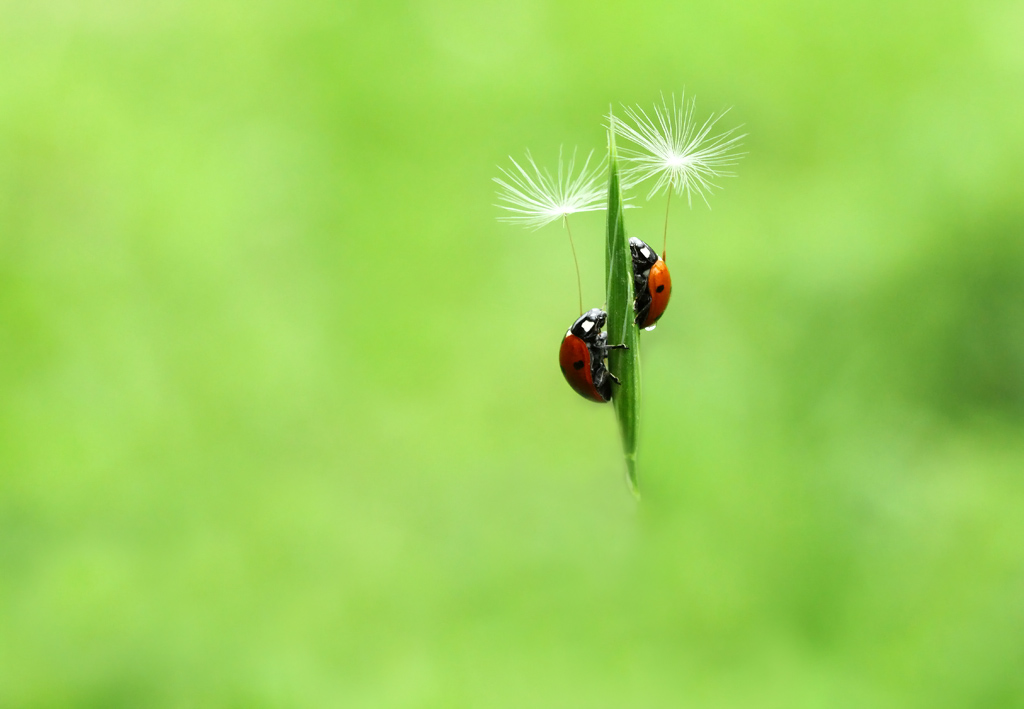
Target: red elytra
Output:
[
  {"x": 659, "y": 287},
  {"x": 582, "y": 354},
  {"x": 574, "y": 359}
]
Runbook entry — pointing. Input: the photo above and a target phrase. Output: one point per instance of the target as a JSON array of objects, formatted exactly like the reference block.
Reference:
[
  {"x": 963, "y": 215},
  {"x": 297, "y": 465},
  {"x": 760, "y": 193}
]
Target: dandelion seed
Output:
[
  {"x": 537, "y": 198},
  {"x": 540, "y": 198},
  {"x": 683, "y": 155}
]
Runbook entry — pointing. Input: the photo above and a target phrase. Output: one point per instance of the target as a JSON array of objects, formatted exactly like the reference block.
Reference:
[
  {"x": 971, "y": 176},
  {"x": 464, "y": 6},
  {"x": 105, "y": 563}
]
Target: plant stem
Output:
[{"x": 624, "y": 364}]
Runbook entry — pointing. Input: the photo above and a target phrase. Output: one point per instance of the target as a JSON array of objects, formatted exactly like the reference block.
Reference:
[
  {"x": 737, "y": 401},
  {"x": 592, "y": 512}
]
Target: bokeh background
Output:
[{"x": 281, "y": 423}]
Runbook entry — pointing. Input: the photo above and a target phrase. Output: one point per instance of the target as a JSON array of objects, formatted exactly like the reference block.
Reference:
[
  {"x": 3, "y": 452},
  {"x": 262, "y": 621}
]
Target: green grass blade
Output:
[{"x": 625, "y": 364}]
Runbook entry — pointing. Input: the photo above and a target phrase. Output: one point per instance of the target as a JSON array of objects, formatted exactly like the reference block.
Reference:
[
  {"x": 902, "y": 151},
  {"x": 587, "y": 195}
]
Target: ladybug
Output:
[
  {"x": 582, "y": 356},
  {"x": 652, "y": 283}
]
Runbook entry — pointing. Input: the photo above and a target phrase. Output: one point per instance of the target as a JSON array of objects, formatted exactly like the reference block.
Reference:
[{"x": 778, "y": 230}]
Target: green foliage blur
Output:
[{"x": 281, "y": 421}]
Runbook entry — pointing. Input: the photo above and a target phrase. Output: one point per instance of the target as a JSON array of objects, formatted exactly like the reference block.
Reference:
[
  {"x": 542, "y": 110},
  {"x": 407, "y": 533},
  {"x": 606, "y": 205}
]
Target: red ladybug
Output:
[
  {"x": 582, "y": 357},
  {"x": 652, "y": 283}
]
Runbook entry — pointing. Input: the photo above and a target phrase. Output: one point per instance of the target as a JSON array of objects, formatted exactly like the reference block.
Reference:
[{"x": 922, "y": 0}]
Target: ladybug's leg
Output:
[
  {"x": 613, "y": 377},
  {"x": 602, "y": 383},
  {"x": 640, "y": 280},
  {"x": 642, "y": 304},
  {"x": 600, "y": 344},
  {"x": 642, "y": 308}
]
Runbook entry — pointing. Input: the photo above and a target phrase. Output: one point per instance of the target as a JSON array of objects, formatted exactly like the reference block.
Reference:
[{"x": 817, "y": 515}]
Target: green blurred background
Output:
[{"x": 281, "y": 423}]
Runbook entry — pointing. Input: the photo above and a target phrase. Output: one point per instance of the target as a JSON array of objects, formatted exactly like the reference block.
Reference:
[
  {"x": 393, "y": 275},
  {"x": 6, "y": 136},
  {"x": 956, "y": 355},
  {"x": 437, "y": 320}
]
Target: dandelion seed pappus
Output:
[{"x": 535, "y": 197}]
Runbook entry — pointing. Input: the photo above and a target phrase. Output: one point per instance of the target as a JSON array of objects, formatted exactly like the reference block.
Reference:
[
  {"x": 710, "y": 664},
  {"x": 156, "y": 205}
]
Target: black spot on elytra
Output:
[
  {"x": 659, "y": 289},
  {"x": 577, "y": 364}
]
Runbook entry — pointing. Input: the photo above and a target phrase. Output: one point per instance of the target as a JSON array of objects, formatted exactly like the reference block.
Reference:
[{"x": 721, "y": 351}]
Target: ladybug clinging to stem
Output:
[
  {"x": 582, "y": 356},
  {"x": 536, "y": 197},
  {"x": 683, "y": 156},
  {"x": 652, "y": 283}
]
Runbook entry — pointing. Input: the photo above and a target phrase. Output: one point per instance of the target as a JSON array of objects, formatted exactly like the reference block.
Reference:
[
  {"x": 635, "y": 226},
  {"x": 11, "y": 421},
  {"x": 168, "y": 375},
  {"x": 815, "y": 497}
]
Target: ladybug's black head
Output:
[
  {"x": 589, "y": 325},
  {"x": 643, "y": 255}
]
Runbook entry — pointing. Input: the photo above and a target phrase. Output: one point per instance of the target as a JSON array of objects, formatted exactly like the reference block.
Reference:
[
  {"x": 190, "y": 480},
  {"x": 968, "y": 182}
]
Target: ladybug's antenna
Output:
[
  {"x": 579, "y": 286},
  {"x": 664, "y": 242}
]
